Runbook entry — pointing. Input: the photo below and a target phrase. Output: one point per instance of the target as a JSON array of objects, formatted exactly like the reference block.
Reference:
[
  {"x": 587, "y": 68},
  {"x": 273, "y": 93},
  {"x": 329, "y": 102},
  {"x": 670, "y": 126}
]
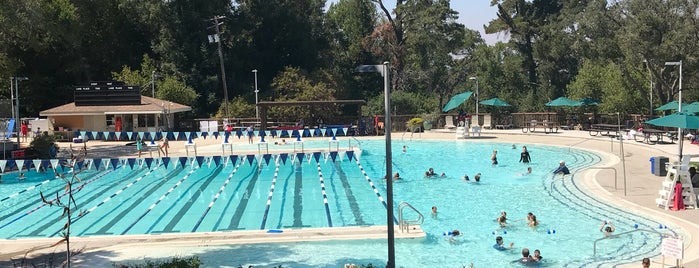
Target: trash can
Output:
[{"x": 658, "y": 165}]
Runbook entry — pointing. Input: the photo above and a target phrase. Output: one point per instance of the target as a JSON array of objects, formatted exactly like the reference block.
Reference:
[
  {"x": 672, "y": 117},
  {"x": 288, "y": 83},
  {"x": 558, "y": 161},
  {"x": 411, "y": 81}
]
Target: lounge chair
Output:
[
  {"x": 507, "y": 124},
  {"x": 449, "y": 122},
  {"x": 487, "y": 123}
]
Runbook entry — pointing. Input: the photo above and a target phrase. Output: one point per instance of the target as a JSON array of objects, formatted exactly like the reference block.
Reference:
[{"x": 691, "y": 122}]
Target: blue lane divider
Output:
[
  {"x": 58, "y": 197},
  {"x": 269, "y": 196},
  {"x": 28, "y": 189},
  {"x": 159, "y": 199},
  {"x": 220, "y": 190},
  {"x": 376, "y": 191},
  {"x": 325, "y": 195},
  {"x": 83, "y": 214}
]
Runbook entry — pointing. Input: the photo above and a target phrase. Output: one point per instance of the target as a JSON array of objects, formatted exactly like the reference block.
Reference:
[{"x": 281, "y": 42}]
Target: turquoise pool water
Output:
[{"x": 235, "y": 196}]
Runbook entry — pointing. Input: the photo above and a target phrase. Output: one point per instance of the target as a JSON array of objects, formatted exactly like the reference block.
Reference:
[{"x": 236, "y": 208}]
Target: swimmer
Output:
[
  {"x": 524, "y": 156},
  {"x": 532, "y": 220},
  {"x": 529, "y": 171},
  {"x": 526, "y": 258},
  {"x": 537, "y": 255},
  {"x": 396, "y": 176},
  {"x": 434, "y": 211},
  {"x": 477, "y": 177},
  {"x": 514, "y": 147},
  {"x": 499, "y": 244},
  {"x": 562, "y": 168},
  {"x": 607, "y": 228},
  {"x": 502, "y": 220},
  {"x": 451, "y": 236},
  {"x": 430, "y": 172},
  {"x": 21, "y": 176},
  {"x": 405, "y": 149},
  {"x": 494, "y": 157},
  {"x": 466, "y": 178}
]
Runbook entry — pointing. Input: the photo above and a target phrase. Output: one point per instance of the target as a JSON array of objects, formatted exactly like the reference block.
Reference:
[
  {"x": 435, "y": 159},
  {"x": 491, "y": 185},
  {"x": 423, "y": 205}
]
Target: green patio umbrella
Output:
[
  {"x": 457, "y": 100},
  {"x": 495, "y": 102},
  {"x": 669, "y": 106},
  {"x": 678, "y": 120},
  {"x": 691, "y": 108},
  {"x": 588, "y": 102},
  {"x": 563, "y": 101}
]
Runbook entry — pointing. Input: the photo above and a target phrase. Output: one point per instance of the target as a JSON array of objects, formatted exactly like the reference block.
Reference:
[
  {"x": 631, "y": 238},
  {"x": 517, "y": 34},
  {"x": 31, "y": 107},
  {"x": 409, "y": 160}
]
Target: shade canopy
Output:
[
  {"x": 457, "y": 100},
  {"x": 495, "y": 102},
  {"x": 588, "y": 102},
  {"x": 563, "y": 101},
  {"x": 679, "y": 120},
  {"x": 691, "y": 108},
  {"x": 669, "y": 106}
]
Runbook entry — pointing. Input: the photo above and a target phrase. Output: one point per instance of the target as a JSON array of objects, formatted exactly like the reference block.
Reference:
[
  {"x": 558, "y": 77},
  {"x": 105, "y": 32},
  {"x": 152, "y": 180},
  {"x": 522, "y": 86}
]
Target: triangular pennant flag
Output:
[
  {"x": 273, "y": 133},
  {"x": 166, "y": 161},
  {"x": 300, "y": 156},
  {"x": 106, "y": 135},
  {"x": 267, "y": 133},
  {"x": 129, "y": 134},
  {"x": 153, "y": 135},
  {"x": 204, "y": 134},
  {"x": 95, "y": 135},
  {"x": 306, "y": 132},
  {"x": 262, "y": 133},
  {"x": 97, "y": 162},
  {"x": 284, "y": 133},
  {"x": 316, "y": 156},
  {"x": 148, "y": 160},
  {"x": 334, "y": 131},
  {"x": 217, "y": 160},
  {"x": 283, "y": 157},
  {"x": 344, "y": 130},
  {"x": 178, "y": 135},
  {"x": 183, "y": 161},
  {"x": 239, "y": 132},
  {"x": 80, "y": 164},
  {"x": 37, "y": 164},
  {"x": 200, "y": 159},
  {"x": 256, "y": 133},
  {"x": 188, "y": 135},
  {"x": 208, "y": 161},
  {"x": 266, "y": 157},
  {"x": 170, "y": 136},
  {"x": 3, "y": 163},
  {"x": 333, "y": 155},
  {"x": 54, "y": 163},
  {"x": 350, "y": 155},
  {"x": 114, "y": 162},
  {"x": 20, "y": 164},
  {"x": 84, "y": 134},
  {"x": 309, "y": 157},
  {"x": 295, "y": 133},
  {"x": 325, "y": 132},
  {"x": 130, "y": 161},
  {"x": 317, "y": 132},
  {"x": 89, "y": 163},
  {"x": 233, "y": 158},
  {"x": 250, "y": 158},
  {"x": 141, "y": 135},
  {"x": 215, "y": 134},
  {"x": 45, "y": 164}
]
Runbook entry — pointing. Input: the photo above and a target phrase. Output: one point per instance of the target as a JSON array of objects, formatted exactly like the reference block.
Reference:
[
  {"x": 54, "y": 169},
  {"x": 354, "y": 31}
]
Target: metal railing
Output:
[{"x": 405, "y": 224}]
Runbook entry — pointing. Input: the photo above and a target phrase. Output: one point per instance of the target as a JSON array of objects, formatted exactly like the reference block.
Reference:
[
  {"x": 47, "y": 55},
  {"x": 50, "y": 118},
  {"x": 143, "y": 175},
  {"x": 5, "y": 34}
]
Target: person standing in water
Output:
[{"x": 524, "y": 156}]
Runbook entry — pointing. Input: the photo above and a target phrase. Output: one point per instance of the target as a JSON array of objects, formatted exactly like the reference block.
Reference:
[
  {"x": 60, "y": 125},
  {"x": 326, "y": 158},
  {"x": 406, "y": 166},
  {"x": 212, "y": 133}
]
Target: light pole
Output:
[
  {"x": 650, "y": 92},
  {"x": 153, "y": 76},
  {"x": 383, "y": 70},
  {"x": 216, "y": 39},
  {"x": 17, "y": 117},
  {"x": 679, "y": 104},
  {"x": 257, "y": 109},
  {"x": 476, "y": 78}
]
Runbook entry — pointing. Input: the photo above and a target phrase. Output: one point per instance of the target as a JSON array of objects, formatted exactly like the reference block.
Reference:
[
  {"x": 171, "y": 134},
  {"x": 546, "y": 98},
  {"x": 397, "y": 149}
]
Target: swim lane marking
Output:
[
  {"x": 53, "y": 200},
  {"x": 269, "y": 196},
  {"x": 220, "y": 190},
  {"x": 28, "y": 189},
  {"x": 376, "y": 191},
  {"x": 160, "y": 199},
  {"x": 325, "y": 195}
]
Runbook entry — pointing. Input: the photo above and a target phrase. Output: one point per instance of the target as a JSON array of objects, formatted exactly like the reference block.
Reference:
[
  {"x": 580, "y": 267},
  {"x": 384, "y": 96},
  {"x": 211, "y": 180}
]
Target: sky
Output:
[{"x": 472, "y": 13}]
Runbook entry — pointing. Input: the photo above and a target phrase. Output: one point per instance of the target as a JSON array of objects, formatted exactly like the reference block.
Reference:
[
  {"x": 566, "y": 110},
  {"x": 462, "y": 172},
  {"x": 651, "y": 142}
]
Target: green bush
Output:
[
  {"x": 42, "y": 145},
  {"x": 175, "y": 262}
]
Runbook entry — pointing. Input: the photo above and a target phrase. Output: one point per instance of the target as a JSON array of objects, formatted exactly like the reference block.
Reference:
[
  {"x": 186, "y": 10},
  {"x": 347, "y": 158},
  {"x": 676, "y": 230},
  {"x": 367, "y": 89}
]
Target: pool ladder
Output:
[{"x": 405, "y": 224}]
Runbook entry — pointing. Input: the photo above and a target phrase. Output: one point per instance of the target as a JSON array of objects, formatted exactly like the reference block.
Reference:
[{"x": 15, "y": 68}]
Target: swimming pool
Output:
[{"x": 176, "y": 199}]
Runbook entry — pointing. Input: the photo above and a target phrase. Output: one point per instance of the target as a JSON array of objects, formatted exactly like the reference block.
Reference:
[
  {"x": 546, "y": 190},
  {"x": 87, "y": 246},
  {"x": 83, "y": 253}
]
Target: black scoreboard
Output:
[{"x": 107, "y": 93}]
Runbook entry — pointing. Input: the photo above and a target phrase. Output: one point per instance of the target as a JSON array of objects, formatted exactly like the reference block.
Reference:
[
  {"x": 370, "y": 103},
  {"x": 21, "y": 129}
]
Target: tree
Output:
[{"x": 294, "y": 84}]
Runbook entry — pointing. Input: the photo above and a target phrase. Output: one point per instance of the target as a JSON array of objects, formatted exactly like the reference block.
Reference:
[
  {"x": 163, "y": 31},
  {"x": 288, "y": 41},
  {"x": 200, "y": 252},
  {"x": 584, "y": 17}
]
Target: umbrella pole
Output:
[{"x": 680, "y": 140}]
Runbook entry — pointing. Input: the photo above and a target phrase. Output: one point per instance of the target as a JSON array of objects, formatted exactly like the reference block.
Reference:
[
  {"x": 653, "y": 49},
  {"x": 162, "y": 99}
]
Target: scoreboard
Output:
[{"x": 107, "y": 93}]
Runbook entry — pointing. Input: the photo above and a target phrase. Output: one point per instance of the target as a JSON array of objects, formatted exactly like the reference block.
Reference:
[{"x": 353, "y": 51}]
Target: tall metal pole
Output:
[
  {"x": 257, "y": 109},
  {"x": 220, "y": 57},
  {"x": 389, "y": 164},
  {"x": 17, "y": 117},
  {"x": 152, "y": 84},
  {"x": 679, "y": 108}
]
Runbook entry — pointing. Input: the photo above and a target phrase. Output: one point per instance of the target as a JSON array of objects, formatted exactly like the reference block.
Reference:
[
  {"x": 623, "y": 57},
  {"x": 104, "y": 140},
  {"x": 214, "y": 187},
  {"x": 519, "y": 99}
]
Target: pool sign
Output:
[{"x": 672, "y": 247}]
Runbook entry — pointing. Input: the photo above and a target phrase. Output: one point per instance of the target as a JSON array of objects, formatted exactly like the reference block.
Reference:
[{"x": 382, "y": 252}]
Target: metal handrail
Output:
[
  {"x": 594, "y": 247},
  {"x": 615, "y": 175},
  {"x": 405, "y": 224}
]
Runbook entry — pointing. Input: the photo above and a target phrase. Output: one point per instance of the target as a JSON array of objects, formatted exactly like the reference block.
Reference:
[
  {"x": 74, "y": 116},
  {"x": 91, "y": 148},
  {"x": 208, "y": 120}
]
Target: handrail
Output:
[
  {"x": 594, "y": 247},
  {"x": 405, "y": 224},
  {"x": 615, "y": 175},
  {"x": 349, "y": 142}
]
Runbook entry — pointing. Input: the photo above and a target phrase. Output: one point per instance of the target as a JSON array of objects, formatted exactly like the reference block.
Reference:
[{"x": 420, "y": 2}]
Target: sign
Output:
[
  {"x": 18, "y": 154},
  {"x": 672, "y": 247}
]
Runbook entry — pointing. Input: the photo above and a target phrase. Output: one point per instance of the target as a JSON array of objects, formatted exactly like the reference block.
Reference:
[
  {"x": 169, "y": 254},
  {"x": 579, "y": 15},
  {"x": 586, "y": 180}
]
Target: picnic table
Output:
[
  {"x": 604, "y": 129},
  {"x": 652, "y": 136},
  {"x": 547, "y": 126}
]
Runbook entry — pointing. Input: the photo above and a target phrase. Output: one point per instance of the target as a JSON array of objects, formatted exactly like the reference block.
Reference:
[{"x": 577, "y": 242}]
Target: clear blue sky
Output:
[{"x": 472, "y": 13}]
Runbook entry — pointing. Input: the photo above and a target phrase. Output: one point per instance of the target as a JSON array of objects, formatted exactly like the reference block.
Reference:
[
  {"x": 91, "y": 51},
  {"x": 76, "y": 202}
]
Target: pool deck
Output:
[{"x": 636, "y": 191}]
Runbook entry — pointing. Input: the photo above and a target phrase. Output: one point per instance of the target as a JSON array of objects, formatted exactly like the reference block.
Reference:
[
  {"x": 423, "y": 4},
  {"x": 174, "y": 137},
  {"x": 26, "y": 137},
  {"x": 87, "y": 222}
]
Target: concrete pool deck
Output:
[{"x": 638, "y": 196}]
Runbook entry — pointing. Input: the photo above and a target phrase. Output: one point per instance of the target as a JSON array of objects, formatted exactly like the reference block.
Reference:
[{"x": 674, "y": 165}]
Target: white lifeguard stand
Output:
[
  {"x": 298, "y": 141},
  {"x": 462, "y": 131},
  {"x": 335, "y": 141},
  {"x": 262, "y": 144},
  {"x": 190, "y": 144},
  {"x": 677, "y": 173},
  {"x": 225, "y": 144}
]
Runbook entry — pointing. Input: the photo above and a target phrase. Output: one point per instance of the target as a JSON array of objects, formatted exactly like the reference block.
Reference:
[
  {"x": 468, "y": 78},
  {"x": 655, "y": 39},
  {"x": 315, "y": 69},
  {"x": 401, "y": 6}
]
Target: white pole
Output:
[{"x": 257, "y": 109}]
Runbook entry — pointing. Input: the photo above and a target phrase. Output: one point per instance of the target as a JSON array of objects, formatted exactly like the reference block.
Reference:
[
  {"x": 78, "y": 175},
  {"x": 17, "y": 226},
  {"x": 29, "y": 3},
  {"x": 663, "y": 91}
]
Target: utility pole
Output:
[{"x": 216, "y": 38}]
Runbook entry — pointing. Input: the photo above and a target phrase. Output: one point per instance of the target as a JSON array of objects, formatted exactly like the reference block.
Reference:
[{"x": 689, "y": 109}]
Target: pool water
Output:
[{"x": 206, "y": 194}]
